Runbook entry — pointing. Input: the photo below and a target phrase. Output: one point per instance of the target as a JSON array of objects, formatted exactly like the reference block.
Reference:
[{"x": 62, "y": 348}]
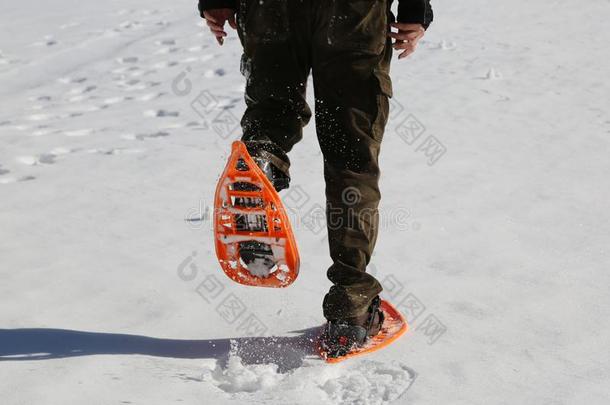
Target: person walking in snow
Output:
[{"x": 347, "y": 45}]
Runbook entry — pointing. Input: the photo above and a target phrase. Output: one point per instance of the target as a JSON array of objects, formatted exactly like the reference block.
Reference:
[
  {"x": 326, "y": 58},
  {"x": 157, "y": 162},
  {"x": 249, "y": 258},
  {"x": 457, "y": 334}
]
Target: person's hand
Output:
[
  {"x": 216, "y": 19},
  {"x": 406, "y": 38}
]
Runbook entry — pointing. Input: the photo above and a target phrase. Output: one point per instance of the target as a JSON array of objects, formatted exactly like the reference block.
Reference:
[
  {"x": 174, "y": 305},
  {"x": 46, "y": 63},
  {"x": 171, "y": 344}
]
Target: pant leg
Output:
[
  {"x": 351, "y": 60},
  {"x": 276, "y": 64}
]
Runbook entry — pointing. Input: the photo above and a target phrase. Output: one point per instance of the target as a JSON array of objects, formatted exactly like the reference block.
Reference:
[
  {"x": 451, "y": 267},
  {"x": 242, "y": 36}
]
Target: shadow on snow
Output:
[{"x": 287, "y": 352}]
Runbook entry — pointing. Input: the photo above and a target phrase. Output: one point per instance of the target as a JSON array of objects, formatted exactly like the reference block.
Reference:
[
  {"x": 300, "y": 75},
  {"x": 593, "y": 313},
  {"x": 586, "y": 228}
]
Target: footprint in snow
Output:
[
  {"x": 166, "y": 50},
  {"x": 214, "y": 73},
  {"x": 72, "y": 80},
  {"x": 139, "y": 72},
  {"x": 10, "y": 180},
  {"x": 492, "y": 74},
  {"x": 43, "y": 98},
  {"x": 165, "y": 42},
  {"x": 48, "y": 158},
  {"x": 5, "y": 60},
  {"x": 129, "y": 25},
  {"x": 150, "y": 96},
  {"x": 160, "y": 134},
  {"x": 42, "y": 159},
  {"x": 124, "y": 72},
  {"x": 164, "y": 64},
  {"x": 128, "y": 59},
  {"x": 197, "y": 125},
  {"x": 116, "y": 100},
  {"x": 82, "y": 90},
  {"x": 273, "y": 376},
  {"x": 48, "y": 40},
  {"x": 131, "y": 85},
  {"x": 135, "y": 84},
  {"x": 161, "y": 113},
  {"x": 445, "y": 45},
  {"x": 115, "y": 151}
]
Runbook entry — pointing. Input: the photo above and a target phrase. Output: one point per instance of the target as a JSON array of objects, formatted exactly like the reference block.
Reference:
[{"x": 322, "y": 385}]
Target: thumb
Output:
[{"x": 232, "y": 22}]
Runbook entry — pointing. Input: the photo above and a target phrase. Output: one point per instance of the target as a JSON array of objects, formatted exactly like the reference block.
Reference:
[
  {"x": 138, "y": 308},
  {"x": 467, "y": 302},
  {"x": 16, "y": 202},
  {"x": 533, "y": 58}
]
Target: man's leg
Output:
[
  {"x": 351, "y": 58},
  {"x": 276, "y": 64}
]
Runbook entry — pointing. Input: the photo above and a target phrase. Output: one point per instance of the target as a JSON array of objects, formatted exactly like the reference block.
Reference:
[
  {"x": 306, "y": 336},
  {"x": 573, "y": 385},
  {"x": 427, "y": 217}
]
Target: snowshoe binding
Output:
[
  {"x": 342, "y": 339},
  {"x": 344, "y": 335}
]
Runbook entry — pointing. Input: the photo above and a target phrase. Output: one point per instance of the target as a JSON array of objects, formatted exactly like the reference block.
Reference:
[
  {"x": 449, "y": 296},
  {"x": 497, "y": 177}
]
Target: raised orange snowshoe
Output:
[{"x": 253, "y": 237}]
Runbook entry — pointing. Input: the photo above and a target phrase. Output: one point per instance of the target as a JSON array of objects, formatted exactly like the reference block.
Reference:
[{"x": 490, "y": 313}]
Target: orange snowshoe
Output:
[{"x": 254, "y": 241}]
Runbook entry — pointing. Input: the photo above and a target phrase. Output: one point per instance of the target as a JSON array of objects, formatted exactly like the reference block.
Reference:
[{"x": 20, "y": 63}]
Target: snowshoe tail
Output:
[{"x": 253, "y": 237}]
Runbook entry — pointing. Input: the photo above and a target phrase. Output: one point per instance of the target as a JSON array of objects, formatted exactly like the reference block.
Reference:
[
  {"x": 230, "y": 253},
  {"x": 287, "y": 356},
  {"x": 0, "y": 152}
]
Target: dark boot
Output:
[{"x": 343, "y": 335}]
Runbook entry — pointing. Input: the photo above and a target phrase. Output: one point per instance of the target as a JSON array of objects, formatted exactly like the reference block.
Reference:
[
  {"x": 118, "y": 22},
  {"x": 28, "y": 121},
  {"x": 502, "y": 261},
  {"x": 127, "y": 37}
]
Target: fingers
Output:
[
  {"x": 406, "y": 35},
  {"x": 406, "y": 53},
  {"x": 404, "y": 45},
  {"x": 407, "y": 38},
  {"x": 216, "y": 19},
  {"x": 217, "y": 29},
  {"x": 407, "y": 32},
  {"x": 407, "y": 48}
]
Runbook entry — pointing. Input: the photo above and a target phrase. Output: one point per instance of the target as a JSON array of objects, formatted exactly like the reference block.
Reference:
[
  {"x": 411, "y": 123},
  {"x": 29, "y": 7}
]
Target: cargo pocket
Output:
[
  {"x": 358, "y": 25},
  {"x": 263, "y": 21},
  {"x": 383, "y": 104}
]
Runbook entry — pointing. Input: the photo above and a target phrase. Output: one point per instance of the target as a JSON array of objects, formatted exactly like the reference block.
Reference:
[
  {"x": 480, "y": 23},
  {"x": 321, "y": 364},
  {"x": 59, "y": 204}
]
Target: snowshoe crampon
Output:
[
  {"x": 254, "y": 240},
  {"x": 340, "y": 348}
]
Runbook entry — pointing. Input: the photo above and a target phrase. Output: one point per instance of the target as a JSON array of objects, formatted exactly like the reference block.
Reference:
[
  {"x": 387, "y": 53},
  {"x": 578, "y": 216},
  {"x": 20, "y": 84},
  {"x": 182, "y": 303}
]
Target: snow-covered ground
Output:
[{"x": 116, "y": 118}]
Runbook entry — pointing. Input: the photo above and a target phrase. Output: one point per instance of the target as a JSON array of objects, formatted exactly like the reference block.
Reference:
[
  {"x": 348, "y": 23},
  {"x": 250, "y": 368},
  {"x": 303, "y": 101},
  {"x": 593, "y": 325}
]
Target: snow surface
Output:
[{"x": 110, "y": 293}]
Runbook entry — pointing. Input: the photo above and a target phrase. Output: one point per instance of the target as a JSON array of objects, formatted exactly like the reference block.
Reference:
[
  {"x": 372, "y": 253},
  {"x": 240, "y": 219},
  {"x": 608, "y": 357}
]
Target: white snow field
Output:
[{"x": 116, "y": 118}]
